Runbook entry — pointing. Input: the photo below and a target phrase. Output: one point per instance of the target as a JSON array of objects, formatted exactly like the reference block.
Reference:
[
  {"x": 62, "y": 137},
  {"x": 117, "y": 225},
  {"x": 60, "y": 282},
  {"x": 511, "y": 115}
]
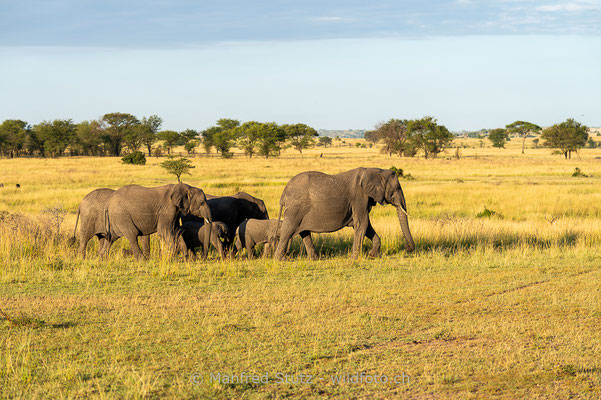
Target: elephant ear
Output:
[
  {"x": 181, "y": 198},
  {"x": 372, "y": 185}
]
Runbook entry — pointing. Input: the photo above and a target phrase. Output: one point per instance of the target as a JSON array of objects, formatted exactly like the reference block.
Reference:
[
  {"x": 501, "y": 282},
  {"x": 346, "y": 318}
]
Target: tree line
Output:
[
  {"x": 566, "y": 137},
  {"x": 115, "y": 134}
]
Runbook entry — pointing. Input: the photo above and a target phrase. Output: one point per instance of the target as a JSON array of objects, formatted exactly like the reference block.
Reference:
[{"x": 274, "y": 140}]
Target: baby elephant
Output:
[
  {"x": 256, "y": 231},
  {"x": 192, "y": 234}
]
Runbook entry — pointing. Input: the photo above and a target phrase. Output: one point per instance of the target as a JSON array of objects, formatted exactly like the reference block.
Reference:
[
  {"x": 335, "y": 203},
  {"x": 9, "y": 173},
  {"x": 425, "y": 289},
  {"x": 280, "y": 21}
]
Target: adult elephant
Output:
[
  {"x": 91, "y": 213},
  {"x": 318, "y": 202},
  {"x": 232, "y": 211},
  {"x": 134, "y": 211}
]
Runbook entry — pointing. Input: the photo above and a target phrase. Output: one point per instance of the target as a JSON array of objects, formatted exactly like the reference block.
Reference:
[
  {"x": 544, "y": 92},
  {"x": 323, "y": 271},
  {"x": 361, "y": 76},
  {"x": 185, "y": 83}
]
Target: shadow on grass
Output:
[
  {"x": 335, "y": 245},
  {"x": 27, "y": 321}
]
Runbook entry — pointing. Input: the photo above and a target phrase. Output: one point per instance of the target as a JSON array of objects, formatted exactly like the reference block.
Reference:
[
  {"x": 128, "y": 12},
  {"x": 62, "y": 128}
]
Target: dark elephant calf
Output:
[{"x": 192, "y": 235}]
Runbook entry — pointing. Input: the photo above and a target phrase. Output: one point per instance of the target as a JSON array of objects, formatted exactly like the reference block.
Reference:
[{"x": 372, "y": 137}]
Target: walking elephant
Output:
[
  {"x": 318, "y": 202},
  {"x": 91, "y": 213},
  {"x": 134, "y": 211},
  {"x": 232, "y": 210}
]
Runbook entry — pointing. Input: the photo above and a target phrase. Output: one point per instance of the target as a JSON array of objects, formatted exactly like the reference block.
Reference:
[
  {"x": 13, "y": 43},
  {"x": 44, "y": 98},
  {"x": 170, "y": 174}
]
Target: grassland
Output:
[{"x": 505, "y": 306}]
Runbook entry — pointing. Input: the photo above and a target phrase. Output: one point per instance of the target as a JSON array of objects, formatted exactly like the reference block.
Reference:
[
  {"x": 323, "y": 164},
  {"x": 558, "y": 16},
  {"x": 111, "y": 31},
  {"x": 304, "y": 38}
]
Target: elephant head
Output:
[
  {"x": 383, "y": 187},
  {"x": 252, "y": 206},
  {"x": 191, "y": 200}
]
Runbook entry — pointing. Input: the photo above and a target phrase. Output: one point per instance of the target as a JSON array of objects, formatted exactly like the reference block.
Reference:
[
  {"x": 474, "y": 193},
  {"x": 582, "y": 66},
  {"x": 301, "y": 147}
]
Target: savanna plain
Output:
[{"x": 501, "y": 298}]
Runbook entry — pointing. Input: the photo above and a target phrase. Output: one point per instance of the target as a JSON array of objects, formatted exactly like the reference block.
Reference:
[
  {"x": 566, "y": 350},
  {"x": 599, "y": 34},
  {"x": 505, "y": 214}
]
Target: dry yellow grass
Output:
[{"x": 506, "y": 306}]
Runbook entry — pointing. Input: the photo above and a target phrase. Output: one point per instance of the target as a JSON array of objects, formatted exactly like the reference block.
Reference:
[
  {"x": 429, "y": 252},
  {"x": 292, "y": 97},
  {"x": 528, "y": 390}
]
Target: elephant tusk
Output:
[{"x": 406, "y": 213}]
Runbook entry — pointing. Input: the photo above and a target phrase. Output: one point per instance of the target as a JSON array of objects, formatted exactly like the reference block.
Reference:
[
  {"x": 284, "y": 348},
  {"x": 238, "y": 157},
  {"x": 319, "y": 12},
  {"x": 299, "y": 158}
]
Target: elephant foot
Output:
[{"x": 373, "y": 254}]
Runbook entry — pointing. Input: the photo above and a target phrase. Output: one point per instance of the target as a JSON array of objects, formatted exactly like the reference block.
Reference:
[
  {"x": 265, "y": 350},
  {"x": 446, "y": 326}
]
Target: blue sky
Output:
[{"x": 333, "y": 64}]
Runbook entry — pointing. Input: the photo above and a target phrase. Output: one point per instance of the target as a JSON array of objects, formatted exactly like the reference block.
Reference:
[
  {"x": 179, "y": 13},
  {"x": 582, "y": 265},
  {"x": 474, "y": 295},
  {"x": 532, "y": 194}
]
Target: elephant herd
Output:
[{"x": 187, "y": 218}]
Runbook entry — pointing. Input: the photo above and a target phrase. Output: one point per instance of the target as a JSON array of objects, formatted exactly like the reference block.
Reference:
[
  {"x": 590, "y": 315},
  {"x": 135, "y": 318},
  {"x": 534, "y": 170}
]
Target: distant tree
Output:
[
  {"x": 12, "y": 136},
  {"x": 428, "y": 136},
  {"x": 148, "y": 130},
  {"x": 535, "y": 141},
  {"x": 115, "y": 127},
  {"x": 221, "y": 136},
  {"x": 177, "y": 167},
  {"x": 498, "y": 137},
  {"x": 300, "y": 136},
  {"x": 248, "y": 136},
  {"x": 171, "y": 139},
  {"x": 522, "y": 129},
  {"x": 325, "y": 141},
  {"x": 55, "y": 135},
  {"x": 187, "y": 135},
  {"x": 191, "y": 145},
  {"x": 395, "y": 137},
  {"x": 88, "y": 138},
  {"x": 271, "y": 136},
  {"x": 566, "y": 137},
  {"x": 591, "y": 143},
  {"x": 135, "y": 158}
]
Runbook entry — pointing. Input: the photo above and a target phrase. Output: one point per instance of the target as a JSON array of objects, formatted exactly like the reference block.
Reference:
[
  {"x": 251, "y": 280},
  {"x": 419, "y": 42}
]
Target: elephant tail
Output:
[
  {"x": 72, "y": 240},
  {"x": 277, "y": 229},
  {"x": 107, "y": 224}
]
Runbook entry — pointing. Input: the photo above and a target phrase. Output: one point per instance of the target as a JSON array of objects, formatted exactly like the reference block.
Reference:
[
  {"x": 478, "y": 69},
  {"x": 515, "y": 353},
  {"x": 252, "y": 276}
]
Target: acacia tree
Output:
[
  {"x": 270, "y": 139},
  {"x": 171, "y": 139},
  {"x": 148, "y": 130},
  {"x": 177, "y": 167},
  {"x": 115, "y": 126},
  {"x": 522, "y": 129},
  {"x": 566, "y": 137},
  {"x": 221, "y": 136},
  {"x": 88, "y": 138},
  {"x": 498, "y": 137},
  {"x": 12, "y": 136},
  {"x": 247, "y": 137},
  {"x": 394, "y": 135},
  {"x": 428, "y": 136},
  {"x": 55, "y": 135},
  {"x": 324, "y": 141},
  {"x": 300, "y": 136}
]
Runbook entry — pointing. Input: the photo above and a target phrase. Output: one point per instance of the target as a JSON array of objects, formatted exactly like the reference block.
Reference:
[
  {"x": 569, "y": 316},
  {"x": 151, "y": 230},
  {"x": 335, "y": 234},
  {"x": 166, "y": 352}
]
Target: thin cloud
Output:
[
  {"x": 328, "y": 19},
  {"x": 570, "y": 7}
]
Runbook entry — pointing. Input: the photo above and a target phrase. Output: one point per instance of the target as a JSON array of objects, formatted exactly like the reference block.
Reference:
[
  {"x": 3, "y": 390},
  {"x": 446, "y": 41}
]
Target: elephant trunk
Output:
[
  {"x": 403, "y": 220},
  {"x": 209, "y": 219}
]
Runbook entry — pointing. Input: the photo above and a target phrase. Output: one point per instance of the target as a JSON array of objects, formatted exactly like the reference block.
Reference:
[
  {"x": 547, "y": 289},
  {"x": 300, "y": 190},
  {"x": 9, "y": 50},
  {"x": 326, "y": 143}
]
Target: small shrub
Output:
[
  {"x": 578, "y": 173},
  {"x": 486, "y": 213},
  {"x": 177, "y": 167},
  {"x": 397, "y": 171},
  {"x": 136, "y": 158}
]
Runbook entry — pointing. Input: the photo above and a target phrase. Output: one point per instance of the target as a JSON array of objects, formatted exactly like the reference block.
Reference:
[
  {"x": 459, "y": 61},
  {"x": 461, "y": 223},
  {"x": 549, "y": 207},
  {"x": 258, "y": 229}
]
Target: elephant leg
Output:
[
  {"x": 308, "y": 242},
  {"x": 358, "y": 240},
  {"x": 104, "y": 249},
  {"x": 375, "y": 241},
  {"x": 250, "y": 245},
  {"x": 145, "y": 244},
  {"x": 288, "y": 229},
  {"x": 132, "y": 238},
  {"x": 102, "y": 242},
  {"x": 267, "y": 249}
]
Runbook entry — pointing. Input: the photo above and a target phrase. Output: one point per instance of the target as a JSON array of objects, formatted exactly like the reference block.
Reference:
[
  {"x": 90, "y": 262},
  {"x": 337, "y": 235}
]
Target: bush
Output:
[
  {"x": 397, "y": 171},
  {"x": 578, "y": 173},
  {"x": 136, "y": 158},
  {"x": 486, "y": 213}
]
